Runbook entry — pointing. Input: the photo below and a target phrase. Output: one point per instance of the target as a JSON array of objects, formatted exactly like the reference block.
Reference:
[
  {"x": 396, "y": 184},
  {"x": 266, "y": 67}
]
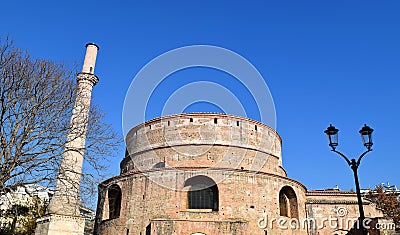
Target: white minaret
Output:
[{"x": 63, "y": 215}]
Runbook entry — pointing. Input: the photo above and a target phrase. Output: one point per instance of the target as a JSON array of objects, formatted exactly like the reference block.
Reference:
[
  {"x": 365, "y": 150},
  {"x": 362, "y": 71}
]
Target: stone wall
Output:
[
  {"x": 244, "y": 197},
  {"x": 204, "y": 140}
]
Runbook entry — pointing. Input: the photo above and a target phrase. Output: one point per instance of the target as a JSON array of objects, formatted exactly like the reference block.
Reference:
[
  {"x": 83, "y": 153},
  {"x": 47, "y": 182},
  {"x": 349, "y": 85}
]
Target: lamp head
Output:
[
  {"x": 366, "y": 136},
  {"x": 332, "y": 134}
]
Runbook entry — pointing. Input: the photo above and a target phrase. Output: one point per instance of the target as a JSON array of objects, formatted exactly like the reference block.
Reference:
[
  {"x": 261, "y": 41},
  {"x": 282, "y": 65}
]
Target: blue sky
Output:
[{"x": 323, "y": 61}]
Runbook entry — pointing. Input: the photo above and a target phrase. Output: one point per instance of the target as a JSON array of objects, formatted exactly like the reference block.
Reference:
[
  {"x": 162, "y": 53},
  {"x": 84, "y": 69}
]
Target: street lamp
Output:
[{"x": 366, "y": 135}]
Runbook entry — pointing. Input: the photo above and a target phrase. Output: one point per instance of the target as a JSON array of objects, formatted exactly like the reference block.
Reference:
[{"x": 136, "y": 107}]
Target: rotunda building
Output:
[{"x": 205, "y": 173}]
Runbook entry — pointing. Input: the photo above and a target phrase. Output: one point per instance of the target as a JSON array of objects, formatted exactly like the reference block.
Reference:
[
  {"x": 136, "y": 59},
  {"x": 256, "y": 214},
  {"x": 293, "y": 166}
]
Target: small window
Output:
[
  {"x": 191, "y": 119},
  {"x": 203, "y": 193},
  {"x": 201, "y": 199},
  {"x": 255, "y": 127},
  {"x": 169, "y": 123},
  {"x": 91, "y": 69},
  {"x": 237, "y": 123},
  {"x": 215, "y": 120}
]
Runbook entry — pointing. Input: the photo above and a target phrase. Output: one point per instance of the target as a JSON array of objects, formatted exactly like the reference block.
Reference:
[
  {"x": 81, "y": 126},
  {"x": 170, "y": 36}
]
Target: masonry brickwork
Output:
[{"x": 242, "y": 156}]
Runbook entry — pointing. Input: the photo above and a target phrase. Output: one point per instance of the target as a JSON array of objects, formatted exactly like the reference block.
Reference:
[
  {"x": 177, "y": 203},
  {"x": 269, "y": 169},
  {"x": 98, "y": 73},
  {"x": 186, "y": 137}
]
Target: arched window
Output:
[
  {"x": 114, "y": 201},
  {"x": 288, "y": 203},
  {"x": 203, "y": 193}
]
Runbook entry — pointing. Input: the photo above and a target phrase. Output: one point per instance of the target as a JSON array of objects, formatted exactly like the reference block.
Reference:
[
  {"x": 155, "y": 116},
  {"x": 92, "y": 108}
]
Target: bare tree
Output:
[
  {"x": 388, "y": 202},
  {"x": 36, "y": 102}
]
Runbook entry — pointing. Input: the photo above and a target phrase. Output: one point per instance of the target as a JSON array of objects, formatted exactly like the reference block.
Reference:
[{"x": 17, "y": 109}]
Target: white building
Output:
[{"x": 23, "y": 196}]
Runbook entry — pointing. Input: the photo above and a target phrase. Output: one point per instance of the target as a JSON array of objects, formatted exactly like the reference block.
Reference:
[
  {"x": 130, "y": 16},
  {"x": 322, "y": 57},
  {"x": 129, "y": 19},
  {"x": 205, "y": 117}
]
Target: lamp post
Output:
[{"x": 366, "y": 135}]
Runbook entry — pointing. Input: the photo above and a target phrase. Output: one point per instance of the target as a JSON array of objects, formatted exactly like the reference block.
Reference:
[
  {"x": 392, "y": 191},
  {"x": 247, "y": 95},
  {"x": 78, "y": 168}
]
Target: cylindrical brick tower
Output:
[
  {"x": 200, "y": 173},
  {"x": 63, "y": 216}
]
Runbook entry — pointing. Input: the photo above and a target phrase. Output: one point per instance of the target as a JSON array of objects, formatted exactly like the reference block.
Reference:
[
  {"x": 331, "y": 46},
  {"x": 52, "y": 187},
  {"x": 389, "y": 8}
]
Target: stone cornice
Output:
[
  {"x": 199, "y": 220},
  {"x": 330, "y": 193},
  {"x": 93, "y": 79},
  {"x": 334, "y": 202},
  {"x": 48, "y": 217}
]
